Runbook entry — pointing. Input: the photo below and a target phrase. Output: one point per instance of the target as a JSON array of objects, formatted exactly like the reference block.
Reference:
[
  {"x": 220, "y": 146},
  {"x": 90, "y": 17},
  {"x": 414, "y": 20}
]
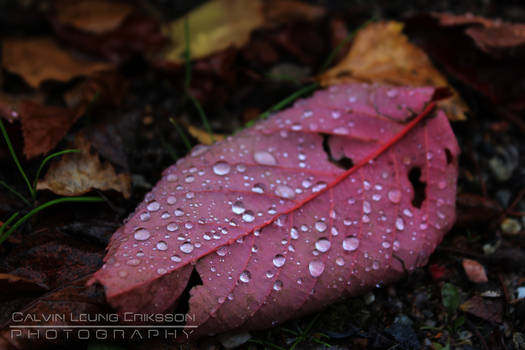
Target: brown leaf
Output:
[
  {"x": 475, "y": 271},
  {"x": 43, "y": 126},
  {"x": 79, "y": 173},
  {"x": 95, "y": 16},
  {"x": 15, "y": 285},
  {"x": 495, "y": 37},
  {"x": 381, "y": 53},
  {"x": 499, "y": 77},
  {"x": 53, "y": 63},
  {"x": 487, "y": 309}
]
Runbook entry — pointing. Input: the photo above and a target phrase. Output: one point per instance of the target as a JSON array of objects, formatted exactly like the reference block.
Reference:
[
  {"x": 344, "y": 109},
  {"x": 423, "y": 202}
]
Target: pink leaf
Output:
[{"x": 276, "y": 222}]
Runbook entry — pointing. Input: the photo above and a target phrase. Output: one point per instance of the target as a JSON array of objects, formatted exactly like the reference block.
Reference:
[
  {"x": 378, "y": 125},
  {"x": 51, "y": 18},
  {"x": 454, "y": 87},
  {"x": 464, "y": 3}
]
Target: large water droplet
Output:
[
  {"x": 367, "y": 208},
  {"x": 294, "y": 234},
  {"x": 278, "y": 285},
  {"x": 320, "y": 226},
  {"x": 153, "y": 206},
  {"x": 279, "y": 260},
  {"x": 162, "y": 245},
  {"x": 264, "y": 158},
  {"x": 350, "y": 244},
  {"x": 171, "y": 200},
  {"x": 186, "y": 247},
  {"x": 284, "y": 191},
  {"x": 141, "y": 234},
  {"x": 258, "y": 188},
  {"x": 245, "y": 276},
  {"x": 248, "y": 216},
  {"x": 340, "y": 261},
  {"x": 316, "y": 268},
  {"x": 178, "y": 212},
  {"x": 400, "y": 224},
  {"x": 145, "y": 216},
  {"x": 322, "y": 245},
  {"x": 221, "y": 168},
  {"x": 394, "y": 196},
  {"x": 238, "y": 207}
]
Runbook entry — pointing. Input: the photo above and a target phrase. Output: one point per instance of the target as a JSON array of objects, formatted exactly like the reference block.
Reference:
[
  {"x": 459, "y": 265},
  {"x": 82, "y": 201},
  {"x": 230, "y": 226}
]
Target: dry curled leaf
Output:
[
  {"x": 41, "y": 59},
  {"x": 95, "y": 16},
  {"x": 277, "y": 226},
  {"x": 381, "y": 53},
  {"x": 78, "y": 173}
]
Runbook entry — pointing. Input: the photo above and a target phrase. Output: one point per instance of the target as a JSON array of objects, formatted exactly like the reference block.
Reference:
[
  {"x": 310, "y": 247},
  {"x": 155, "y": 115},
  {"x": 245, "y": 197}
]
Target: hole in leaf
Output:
[
  {"x": 419, "y": 187},
  {"x": 343, "y": 163},
  {"x": 183, "y": 304},
  {"x": 449, "y": 156}
]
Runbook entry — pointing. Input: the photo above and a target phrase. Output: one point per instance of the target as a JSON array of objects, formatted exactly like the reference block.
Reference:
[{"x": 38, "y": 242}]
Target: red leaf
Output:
[{"x": 275, "y": 228}]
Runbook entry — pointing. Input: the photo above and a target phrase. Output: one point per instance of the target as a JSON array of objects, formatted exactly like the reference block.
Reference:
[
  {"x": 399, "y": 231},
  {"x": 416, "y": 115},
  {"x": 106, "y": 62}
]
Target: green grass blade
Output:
[
  {"x": 285, "y": 102},
  {"x": 181, "y": 133},
  {"x": 187, "y": 54},
  {"x": 15, "y": 192},
  {"x": 24, "y": 218},
  {"x": 47, "y": 159},
  {"x": 8, "y": 222},
  {"x": 338, "y": 48},
  {"x": 15, "y": 158},
  {"x": 199, "y": 108}
]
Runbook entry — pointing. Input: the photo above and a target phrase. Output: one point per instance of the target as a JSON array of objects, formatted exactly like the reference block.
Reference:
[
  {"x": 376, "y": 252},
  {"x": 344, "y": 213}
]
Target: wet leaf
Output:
[
  {"x": 277, "y": 226},
  {"x": 381, "y": 53},
  {"x": 53, "y": 63},
  {"x": 78, "y": 173},
  {"x": 450, "y": 297}
]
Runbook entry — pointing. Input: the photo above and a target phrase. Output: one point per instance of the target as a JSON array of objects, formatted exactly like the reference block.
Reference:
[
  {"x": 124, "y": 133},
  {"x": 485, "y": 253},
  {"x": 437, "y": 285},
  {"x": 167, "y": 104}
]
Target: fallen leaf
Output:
[
  {"x": 95, "y": 16},
  {"x": 213, "y": 27},
  {"x": 488, "y": 309},
  {"x": 496, "y": 37},
  {"x": 78, "y": 173},
  {"x": 499, "y": 78},
  {"x": 136, "y": 33},
  {"x": 43, "y": 126},
  {"x": 16, "y": 285},
  {"x": 53, "y": 63},
  {"x": 474, "y": 271},
  {"x": 381, "y": 53},
  {"x": 277, "y": 225},
  {"x": 220, "y": 24},
  {"x": 73, "y": 301},
  {"x": 203, "y": 136}
]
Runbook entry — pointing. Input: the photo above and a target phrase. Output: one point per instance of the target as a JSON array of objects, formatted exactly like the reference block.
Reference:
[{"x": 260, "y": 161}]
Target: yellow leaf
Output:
[
  {"x": 203, "y": 136},
  {"x": 214, "y": 26},
  {"x": 381, "y": 53}
]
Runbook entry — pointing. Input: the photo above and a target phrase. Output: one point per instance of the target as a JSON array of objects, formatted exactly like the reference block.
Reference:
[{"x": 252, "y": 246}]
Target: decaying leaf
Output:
[
  {"x": 487, "y": 309},
  {"x": 41, "y": 59},
  {"x": 277, "y": 226},
  {"x": 497, "y": 74},
  {"x": 496, "y": 37},
  {"x": 95, "y": 16},
  {"x": 78, "y": 173},
  {"x": 381, "y": 53},
  {"x": 220, "y": 24},
  {"x": 203, "y": 136},
  {"x": 43, "y": 126}
]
